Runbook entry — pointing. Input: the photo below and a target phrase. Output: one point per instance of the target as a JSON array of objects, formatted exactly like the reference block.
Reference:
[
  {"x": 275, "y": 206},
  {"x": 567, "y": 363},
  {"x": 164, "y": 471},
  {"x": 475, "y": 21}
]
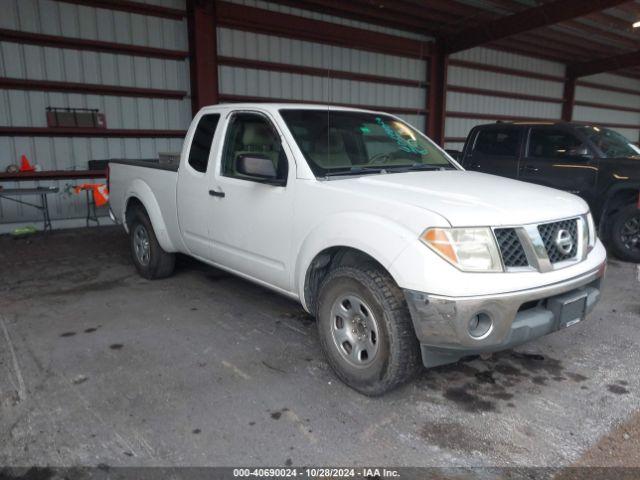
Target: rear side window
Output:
[
  {"x": 500, "y": 142},
  {"x": 201, "y": 144},
  {"x": 551, "y": 143}
]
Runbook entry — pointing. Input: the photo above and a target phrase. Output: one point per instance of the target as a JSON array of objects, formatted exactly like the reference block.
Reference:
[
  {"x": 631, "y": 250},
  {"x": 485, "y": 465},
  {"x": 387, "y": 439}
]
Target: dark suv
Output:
[{"x": 596, "y": 163}]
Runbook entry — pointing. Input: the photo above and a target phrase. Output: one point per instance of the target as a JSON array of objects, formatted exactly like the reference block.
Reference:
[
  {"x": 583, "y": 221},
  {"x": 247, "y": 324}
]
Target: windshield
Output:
[
  {"x": 611, "y": 143},
  {"x": 343, "y": 142}
]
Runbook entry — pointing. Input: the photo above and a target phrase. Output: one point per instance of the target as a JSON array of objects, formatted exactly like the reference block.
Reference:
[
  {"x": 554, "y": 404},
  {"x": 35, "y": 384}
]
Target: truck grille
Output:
[
  {"x": 510, "y": 248},
  {"x": 541, "y": 247},
  {"x": 549, "y": 234}
]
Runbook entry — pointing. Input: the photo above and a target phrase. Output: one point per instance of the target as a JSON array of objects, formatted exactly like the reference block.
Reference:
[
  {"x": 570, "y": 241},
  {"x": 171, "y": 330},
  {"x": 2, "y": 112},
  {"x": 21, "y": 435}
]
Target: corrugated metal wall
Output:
[
  {"x": 609, "y": 116},
  {"x": 21, "y": 108},
  {"x": 456, "y": 128},
  {"x": 312, "y": 88}
]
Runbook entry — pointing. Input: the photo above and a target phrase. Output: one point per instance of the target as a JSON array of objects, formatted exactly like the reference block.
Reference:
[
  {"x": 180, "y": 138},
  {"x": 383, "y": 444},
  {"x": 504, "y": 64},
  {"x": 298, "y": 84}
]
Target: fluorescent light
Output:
[{"x": 636, "y": 24}]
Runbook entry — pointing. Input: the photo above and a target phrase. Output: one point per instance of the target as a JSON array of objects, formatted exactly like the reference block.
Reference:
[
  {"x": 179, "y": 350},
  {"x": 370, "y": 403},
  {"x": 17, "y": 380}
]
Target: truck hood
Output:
[{"x": 468, "y": 198}]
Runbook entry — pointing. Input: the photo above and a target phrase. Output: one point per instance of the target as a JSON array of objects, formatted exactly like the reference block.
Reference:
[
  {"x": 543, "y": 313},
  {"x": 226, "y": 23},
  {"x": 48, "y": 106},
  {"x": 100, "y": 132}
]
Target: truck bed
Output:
[
  {"x": 147, "y": 163},
  {"x": 155, "y": 186}
]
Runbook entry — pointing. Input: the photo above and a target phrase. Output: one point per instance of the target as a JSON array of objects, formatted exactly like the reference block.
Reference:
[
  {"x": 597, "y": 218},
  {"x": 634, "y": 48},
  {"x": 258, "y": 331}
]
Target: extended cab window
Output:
[
  {"x": 551, "y": 143},
  {"x": 252, "y": 135},
  {"x": 498, "y": 142},
  {"x": 201, "y": 143}
]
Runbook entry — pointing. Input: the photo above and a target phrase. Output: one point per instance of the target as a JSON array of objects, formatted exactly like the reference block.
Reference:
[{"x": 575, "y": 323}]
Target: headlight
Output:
[
  {"x": 469, "y": 249},
  {"x": 591, "y": 226}
]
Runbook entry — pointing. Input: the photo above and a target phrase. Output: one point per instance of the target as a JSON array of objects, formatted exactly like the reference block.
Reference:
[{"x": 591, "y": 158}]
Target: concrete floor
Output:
[{"x": 98, "y": 366}]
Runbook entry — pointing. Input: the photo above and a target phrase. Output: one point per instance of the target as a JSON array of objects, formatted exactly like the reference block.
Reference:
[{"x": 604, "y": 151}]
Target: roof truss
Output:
[
  {"x": 608, "y": 64},
  {"x": 536, "y": 17}
]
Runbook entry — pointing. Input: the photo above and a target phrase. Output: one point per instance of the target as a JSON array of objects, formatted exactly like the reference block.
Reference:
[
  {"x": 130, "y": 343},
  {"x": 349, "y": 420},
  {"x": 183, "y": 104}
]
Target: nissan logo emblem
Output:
[{"x": 564, "y": 241}]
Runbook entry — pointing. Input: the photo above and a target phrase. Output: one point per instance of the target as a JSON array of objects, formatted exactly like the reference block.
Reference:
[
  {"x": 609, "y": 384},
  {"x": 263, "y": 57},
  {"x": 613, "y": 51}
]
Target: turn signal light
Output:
[{"x": 438, "y": 240}]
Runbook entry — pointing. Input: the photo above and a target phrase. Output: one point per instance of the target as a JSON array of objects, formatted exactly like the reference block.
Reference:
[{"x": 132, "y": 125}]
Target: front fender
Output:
[
  {"x": 378, "y": 237},
  {"x": 140, "y": 190}
]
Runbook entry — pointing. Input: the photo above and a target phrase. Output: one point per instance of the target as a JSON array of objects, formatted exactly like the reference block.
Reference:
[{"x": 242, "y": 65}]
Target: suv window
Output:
[
  {"x": 253, "y": 134},
  {"x": 551, "y": 143},
  {"x": 501, "y": 142},
  {"x": 201, "y": 143}
]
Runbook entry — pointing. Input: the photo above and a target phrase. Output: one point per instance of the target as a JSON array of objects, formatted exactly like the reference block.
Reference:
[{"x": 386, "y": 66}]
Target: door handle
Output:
[
  {"x": 215, "y": 193},
  {"x": 529, "y": 168}
]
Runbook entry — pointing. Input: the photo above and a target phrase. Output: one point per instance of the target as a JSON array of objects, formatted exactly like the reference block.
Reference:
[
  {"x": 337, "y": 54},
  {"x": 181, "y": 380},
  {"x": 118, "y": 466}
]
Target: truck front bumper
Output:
[{"x": 450, "y": 328}]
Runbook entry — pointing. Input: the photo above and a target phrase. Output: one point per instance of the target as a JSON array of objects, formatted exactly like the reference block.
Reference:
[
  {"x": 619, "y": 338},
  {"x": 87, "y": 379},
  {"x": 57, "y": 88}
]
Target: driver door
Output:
[
  {"x": 251, "y": 219},
  {"x": 557, "y": 158}
]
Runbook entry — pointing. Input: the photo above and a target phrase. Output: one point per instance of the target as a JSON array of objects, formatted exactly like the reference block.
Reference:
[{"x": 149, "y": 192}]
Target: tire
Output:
[
  {"x": 624, "y": 234},
  {"x": 379, "y": 321},
  {"x": 156, "y": 263}
]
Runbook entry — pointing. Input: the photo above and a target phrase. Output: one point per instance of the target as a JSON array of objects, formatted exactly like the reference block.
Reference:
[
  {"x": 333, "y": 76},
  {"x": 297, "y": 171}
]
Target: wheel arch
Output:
[
  {"x": 617, "y": 197},
  {"x": 141, "y": 195},
  {"x": 325, "y": 261},
  {"x": 347, "y": 236}
]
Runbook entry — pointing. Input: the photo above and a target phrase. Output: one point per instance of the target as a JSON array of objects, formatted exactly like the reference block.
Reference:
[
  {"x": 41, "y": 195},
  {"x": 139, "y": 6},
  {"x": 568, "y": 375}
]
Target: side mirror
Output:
[
  {"x": 256, "y": 166},
  {"x": 578, "y": 152}
]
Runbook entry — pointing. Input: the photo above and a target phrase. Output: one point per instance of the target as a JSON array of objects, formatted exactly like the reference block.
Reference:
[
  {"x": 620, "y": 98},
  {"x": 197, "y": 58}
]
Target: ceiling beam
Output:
[
  {"x": 525, "y": 20},
  {"x": 354, "y": 11},
  {"x": 607, "y": 64}
]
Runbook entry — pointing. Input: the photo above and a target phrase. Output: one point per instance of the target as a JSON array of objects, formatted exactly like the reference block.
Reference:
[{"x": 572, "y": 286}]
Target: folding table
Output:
[{"x": 42, "y": 192}]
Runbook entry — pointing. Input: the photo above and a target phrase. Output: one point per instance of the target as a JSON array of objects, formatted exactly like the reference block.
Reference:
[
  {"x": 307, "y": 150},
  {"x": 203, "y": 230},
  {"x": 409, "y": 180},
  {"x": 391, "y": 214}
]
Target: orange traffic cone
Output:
[
  {"x": 25, "y": 166},
  {"x": 100, "y": 194}
]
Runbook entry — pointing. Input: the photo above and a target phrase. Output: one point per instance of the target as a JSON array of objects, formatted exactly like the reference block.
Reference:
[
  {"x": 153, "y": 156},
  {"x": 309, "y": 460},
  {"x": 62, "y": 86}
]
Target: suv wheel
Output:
[
  {"x": 625, "y": 233},
  {"x": 365, "y": 329},
  {"x": 150, "y": 259}
]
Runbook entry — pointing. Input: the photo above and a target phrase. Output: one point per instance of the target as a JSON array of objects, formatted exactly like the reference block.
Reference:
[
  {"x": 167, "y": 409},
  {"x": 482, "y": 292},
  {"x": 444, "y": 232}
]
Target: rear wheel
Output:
[
  {"x": 625, "y": 233},
  {"x": 150, "y": 259},
  {"x": 365, "y": 329}
]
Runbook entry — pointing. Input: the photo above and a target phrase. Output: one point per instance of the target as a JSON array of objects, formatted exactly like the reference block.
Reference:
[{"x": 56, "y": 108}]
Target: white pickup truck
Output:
[{"x": 401, "y": 255}]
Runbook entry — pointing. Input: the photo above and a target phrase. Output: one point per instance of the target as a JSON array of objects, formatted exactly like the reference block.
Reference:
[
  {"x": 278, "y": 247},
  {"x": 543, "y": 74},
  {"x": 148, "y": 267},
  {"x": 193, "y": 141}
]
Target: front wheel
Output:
[
  {"x": 625, "y": 234},
  {"x": 365, "y": 329},
  {"x": 150, "y": 259}
]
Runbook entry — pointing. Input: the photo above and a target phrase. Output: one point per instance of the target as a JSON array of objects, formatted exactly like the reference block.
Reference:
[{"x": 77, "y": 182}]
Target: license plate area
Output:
[{"x": 568, "y": 309}]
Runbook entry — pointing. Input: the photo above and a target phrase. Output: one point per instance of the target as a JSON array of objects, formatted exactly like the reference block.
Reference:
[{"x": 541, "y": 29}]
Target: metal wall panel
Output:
[
  {"x": 603, "y": 116},
  {"x": 471, "y": 103},
  {"x": 27, "y": 108},
  {"x": 460, "y": 128},
  {"x": 469, "y": 77},
  {"x": 307, "y": 88},
  {"x": 613, "y": 80},
  {"x": 255, "y": 46},
  {"x": 500, "y": 106},
  {"x": 596, "y": 95},
  {"x": 19, "y": 108},
  {"x": 179, "y": 4},
  {"x": 70, "y": 20},
  {"x": 490, "y": 56}
]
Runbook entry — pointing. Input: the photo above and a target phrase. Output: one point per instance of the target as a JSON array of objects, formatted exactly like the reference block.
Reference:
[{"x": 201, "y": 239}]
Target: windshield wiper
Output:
[
  {"x": 425, "y": 166},
  {"x": 418, "y": 167},
  {"x": 356, "y": 171}
]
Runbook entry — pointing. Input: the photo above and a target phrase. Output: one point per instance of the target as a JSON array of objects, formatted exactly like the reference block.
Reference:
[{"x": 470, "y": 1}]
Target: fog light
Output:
[{"x": 480, "y": 325}]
